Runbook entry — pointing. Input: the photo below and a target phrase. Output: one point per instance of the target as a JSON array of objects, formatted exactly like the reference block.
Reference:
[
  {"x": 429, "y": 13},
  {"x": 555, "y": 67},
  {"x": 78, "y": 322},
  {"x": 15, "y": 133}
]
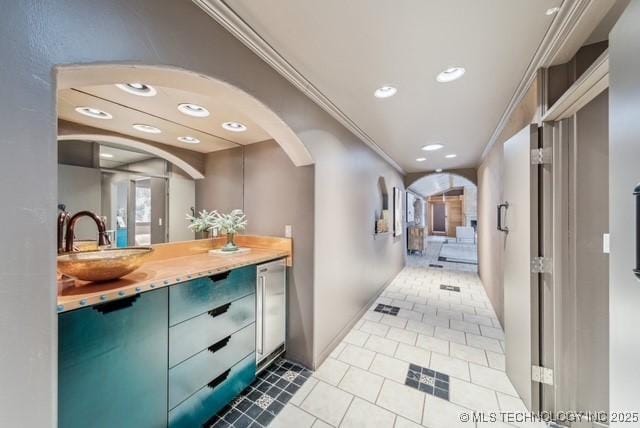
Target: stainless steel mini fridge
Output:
[{"x": 271, "y": 313}]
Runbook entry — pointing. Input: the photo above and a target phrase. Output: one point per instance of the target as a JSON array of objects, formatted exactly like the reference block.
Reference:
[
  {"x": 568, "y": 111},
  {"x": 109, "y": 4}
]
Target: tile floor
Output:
[
  {"x": 435, "y": 335},
  {"x": 259, "y": 403}
]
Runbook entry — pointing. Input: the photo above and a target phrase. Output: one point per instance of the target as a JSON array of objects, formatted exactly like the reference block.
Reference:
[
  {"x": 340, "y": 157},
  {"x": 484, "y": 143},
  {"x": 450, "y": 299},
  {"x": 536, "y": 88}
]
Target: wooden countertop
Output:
[{"x": 167, "y": 267}]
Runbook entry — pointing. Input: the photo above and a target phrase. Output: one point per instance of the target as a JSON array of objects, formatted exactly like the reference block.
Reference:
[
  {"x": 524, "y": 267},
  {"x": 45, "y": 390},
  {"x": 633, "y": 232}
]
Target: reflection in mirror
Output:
[{"x": 129, "y": 189}]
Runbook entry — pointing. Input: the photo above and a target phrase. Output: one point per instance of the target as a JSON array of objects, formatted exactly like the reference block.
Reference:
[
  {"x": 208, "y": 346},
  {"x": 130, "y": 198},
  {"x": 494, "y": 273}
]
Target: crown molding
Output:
[
  {"x": 567, "y": 20},
  {"x": 225, "y": 16},
  {"x": 588, "y": 86}
]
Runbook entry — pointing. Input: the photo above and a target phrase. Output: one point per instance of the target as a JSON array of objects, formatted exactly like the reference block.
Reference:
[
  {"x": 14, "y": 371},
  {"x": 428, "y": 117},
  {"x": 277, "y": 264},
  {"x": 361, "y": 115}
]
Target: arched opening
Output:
[
  {"x": 181, "y": 80},
  {"x": 135, "y": 145},
  {"x": 442, "y": 222}
]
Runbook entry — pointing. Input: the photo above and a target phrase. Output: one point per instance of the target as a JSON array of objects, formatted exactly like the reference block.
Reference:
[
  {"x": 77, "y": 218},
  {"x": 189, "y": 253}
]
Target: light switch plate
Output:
[
  {"x": 605, "y": 243},
  {"x": 288, "y": 233}
]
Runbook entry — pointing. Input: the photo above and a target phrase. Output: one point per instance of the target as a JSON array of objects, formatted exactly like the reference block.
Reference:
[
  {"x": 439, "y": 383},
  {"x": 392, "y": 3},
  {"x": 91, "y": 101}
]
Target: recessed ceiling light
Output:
[
  {"x": 194, "y": 110},
  {"x": 385, "y": 92},
  {"x": 551, "y": 11},
  {"x": 421, "y": 159},
  {"x": 450, "y": 74},
  {"x": 189, "y": 140},
  {"x": 106, "y": 155},
  {"x": 94, "y": 112},
  {"x": 146, "y": 128},
  {"x": 234, "y": 126},
  {"x": 451, "y": 156},
  {"x": 439, "y": 170},
  {"x": 138, "y": 89},
  {"x": 432, "y": 147}
]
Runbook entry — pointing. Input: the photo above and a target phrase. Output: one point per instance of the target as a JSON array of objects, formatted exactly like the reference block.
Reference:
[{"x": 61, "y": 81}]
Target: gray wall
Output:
[
  {"x": 262, "y": 180},
  {"x": 349, "y": 266},
  {"x": 277, "y": 194},
  {"x": 182, "y": 196},
  {"x": 79, "y": 189},
  {"x": 222, "y": 187},
  {"x": 624, "y": 175},
  {"x": 491, "y": 241}
]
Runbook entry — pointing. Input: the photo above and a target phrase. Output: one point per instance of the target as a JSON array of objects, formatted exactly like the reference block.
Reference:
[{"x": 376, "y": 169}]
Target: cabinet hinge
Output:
[
  {"x": 541, "y": 265},
  {"x": 542, "y": 375},
  {"x": 541, "y": 156}
]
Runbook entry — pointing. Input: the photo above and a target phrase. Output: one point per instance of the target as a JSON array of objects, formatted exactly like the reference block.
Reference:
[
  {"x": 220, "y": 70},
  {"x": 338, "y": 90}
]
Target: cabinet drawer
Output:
[
  {"x": 205, "y": 403},
  {"x": 194, "y": 373},
  {"x": 192, "y": 298},
  {"x": 196, "y": 334}
]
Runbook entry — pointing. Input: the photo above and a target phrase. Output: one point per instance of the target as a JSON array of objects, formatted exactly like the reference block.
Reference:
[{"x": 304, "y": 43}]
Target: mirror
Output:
[
  {"x": 144, "y": 199},
  {"x": 133, "y": 153}
]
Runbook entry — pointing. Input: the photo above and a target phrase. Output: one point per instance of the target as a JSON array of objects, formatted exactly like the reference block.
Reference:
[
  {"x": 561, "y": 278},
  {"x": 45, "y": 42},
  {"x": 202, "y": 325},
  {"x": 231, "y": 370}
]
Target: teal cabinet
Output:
[
  {"x": 204, "y": 404},
  {"x": 191, "y": 375},
  {"x": 113, "y": 362},
  {"x": 196, "y": 334},
  {"x": 172, "y": 356},
  {"x": 195, "y": 297}
]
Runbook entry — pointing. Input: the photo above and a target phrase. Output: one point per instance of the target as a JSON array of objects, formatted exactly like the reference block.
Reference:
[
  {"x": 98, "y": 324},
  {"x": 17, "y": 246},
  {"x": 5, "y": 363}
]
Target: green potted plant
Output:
[
  {"x": 203, "y": 223},
  {"x": 229, "y": 224}
]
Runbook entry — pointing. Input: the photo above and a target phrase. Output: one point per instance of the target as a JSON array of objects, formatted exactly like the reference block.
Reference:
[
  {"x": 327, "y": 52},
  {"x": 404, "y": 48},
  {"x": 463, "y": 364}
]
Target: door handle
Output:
[
  {"x": 500, "y": 227},
  {"x": 260, "y": 335},
  {"x": 636, "y": 194}
]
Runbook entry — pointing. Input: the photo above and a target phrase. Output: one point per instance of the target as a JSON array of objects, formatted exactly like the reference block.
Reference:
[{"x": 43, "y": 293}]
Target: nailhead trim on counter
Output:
[{"x": 120, "y": 292}]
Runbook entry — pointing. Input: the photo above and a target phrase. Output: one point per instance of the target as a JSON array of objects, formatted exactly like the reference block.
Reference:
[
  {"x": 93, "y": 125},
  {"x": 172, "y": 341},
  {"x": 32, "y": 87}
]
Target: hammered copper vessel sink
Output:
[{"x": 102, "y": 265}]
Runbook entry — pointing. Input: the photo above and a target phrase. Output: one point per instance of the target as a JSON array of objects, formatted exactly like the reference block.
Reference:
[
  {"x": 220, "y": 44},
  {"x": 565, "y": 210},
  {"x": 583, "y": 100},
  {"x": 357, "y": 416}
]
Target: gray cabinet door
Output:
[
  {"x": 520, "y": 285},
  {"x": 112, "y": 368}
]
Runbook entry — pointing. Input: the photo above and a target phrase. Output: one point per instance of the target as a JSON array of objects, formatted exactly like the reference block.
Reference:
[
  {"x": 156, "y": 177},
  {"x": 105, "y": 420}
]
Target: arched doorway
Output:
[
  {"x": 442, "y": 222},
  {"x": 160, "y": 127}
]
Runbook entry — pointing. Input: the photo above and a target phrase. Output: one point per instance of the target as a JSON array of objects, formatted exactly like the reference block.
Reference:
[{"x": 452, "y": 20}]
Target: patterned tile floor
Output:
[
  {"x": 265, "y": 398},
  {"x": 364, "y": 381}
]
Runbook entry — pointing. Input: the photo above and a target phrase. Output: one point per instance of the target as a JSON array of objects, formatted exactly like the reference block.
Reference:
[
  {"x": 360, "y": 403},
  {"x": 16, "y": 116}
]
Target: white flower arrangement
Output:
[
  {"x": 231, "y": 223},
  {"x": 202, "y": 223}
]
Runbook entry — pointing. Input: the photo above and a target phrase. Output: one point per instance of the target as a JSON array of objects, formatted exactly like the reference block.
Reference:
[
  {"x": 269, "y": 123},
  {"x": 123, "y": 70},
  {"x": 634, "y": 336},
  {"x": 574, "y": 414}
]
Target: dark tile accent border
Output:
[
  {"x": 387, "y": 309},
  {"x": 261, "y": 402},
  {"x": 428, "y": 381},
  {"x": 449, "y": 287}
]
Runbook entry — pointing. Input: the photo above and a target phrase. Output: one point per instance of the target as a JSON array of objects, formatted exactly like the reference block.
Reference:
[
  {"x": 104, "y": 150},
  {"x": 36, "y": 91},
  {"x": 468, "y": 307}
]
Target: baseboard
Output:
[{"x": 341, "y": 335}]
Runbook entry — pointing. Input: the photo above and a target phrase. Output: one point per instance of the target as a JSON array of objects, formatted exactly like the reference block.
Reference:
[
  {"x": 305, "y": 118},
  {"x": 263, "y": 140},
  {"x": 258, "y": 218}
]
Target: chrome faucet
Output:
[{"x": 69, "y": 236}]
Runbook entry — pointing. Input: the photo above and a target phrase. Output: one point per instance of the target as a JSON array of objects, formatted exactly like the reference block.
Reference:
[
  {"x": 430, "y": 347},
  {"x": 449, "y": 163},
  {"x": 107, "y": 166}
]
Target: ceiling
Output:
[
  {"x": 121, "y": 157},
  {"x": 161, "y": 111},
  {"x": 348, "y": 49},
  {"x": 434, "y": 184}
]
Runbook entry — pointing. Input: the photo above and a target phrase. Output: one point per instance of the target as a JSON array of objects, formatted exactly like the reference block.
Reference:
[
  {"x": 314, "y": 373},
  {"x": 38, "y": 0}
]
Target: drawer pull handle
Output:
[
  {"x": 116, "y": 305},
  {"x": 220, "y": 276},
  {"x": 219, "y": 345},
  {"x": 217, "y": 381},
  {"x": 219, "y": 311}
]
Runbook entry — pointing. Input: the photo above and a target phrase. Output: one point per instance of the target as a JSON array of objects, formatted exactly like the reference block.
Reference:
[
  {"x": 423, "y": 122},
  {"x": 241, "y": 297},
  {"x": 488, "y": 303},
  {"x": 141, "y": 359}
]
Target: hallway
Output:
[
  {"x": 446, "y": 252},
  {"x": 454, "y": 336}
]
